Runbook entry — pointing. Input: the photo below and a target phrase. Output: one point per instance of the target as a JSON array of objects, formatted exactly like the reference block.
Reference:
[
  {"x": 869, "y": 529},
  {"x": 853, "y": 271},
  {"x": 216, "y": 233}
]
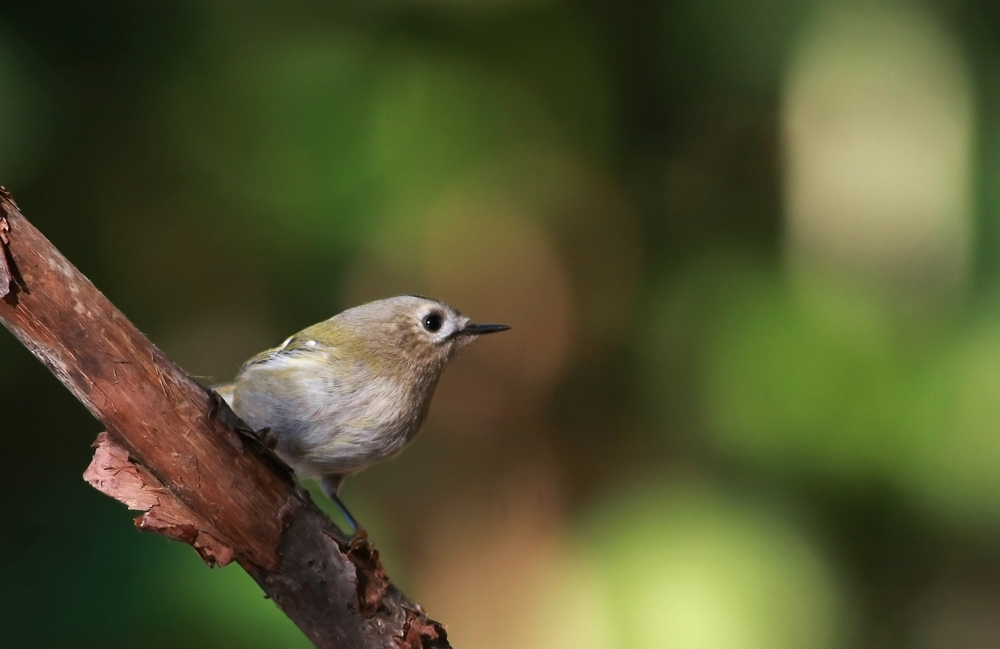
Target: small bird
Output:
[{"x": 345, "y": 393}]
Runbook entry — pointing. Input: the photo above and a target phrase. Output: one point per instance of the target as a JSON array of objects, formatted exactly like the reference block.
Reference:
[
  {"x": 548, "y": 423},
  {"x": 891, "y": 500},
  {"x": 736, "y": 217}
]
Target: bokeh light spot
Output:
[
  {"x": 878, "y": 126},
  {"x": 689, "y": 568}
]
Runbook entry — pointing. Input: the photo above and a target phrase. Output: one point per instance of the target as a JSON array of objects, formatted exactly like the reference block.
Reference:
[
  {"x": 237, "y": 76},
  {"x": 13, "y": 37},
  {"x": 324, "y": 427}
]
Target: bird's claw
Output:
[{"x": 359, "y": 540}]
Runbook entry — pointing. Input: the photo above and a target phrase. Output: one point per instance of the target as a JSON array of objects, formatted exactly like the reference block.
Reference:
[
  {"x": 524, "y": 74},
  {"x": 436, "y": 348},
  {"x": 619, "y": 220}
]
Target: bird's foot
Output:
[
  {"x": 360, "y": 539},
  {"x": 268, "y": 438}
]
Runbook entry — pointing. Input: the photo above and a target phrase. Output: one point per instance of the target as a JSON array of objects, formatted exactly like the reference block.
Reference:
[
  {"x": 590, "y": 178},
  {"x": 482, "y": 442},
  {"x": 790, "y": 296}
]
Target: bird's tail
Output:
[{"x": 225, "y": 391}]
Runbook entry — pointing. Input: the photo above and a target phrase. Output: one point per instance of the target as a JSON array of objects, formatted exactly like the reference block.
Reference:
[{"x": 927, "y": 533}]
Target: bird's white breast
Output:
[{"x": 327, "y": 417}]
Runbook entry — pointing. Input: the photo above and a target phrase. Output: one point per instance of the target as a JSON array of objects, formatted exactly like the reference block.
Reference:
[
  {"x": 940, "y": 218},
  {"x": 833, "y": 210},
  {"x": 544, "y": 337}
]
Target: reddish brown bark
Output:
[{"x": 169, "y": 454}]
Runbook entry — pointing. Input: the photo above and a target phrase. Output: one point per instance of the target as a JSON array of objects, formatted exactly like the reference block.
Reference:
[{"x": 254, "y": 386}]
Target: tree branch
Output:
[{"x": 171, "y": 451}]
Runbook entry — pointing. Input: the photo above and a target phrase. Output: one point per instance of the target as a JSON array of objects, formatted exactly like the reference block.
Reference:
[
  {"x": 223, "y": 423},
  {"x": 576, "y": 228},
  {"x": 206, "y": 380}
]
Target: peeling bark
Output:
[
  {"x": 113, "y": 474},
  {"x": 8, "y": 279},
  {"x": 175, "y": 453}
]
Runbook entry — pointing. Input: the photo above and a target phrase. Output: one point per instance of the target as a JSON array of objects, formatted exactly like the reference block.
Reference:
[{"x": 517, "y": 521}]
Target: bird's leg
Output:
[{"x": 330, "y": 485}]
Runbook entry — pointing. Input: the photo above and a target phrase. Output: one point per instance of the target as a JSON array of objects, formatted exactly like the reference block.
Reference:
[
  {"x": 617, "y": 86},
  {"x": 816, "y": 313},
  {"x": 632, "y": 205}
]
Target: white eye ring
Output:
[{"x": 433, "y": 321}]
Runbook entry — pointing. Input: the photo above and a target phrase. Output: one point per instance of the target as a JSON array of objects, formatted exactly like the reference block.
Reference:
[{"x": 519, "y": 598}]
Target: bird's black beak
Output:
[{"x": 480, "y": 329}]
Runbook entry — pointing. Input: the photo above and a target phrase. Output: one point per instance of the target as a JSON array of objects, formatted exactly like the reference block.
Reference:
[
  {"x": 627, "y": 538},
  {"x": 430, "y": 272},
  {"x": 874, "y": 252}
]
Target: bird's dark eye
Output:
[{"x": 433, "y": 321}]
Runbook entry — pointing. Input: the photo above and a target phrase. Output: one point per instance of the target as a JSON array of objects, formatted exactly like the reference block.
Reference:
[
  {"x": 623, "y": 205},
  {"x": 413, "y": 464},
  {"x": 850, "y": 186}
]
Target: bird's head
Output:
[{"x": 421, "y": 330}]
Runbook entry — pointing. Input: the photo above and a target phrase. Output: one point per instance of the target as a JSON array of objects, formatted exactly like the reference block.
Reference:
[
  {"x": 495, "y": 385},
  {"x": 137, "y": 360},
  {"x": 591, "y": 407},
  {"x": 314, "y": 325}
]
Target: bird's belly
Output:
[
  {"x": 346, "y": 444},
  {"x": 342, "y": 435},
  {"x": 323, "y": 424}
]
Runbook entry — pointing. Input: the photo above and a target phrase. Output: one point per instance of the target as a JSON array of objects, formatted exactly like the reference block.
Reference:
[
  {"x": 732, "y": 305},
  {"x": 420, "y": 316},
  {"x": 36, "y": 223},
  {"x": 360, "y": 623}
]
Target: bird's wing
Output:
[
  {"x": 292, "y": 346},
  {"x": 296, "y": 390}
]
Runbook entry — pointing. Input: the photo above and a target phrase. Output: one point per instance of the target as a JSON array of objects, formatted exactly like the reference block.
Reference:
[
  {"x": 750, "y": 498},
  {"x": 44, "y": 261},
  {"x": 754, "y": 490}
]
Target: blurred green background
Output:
[{"x": 750, "y": 251}]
